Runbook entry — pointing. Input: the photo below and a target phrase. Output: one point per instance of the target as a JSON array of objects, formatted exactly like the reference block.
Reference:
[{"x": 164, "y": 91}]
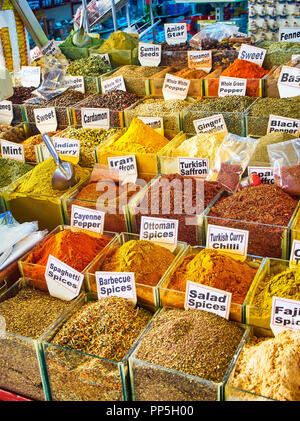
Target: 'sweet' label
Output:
[{"x": 45, "y": 119}]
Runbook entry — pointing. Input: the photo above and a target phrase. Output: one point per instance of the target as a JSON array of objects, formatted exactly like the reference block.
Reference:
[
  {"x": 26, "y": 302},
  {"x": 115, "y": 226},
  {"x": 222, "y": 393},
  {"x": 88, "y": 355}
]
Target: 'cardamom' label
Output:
[
  {"x": 232, "y": 240},
  {"x": 117, "y": 284},
  {"x": 95, "y": 118},
  {"x": 285, "y": 315}
]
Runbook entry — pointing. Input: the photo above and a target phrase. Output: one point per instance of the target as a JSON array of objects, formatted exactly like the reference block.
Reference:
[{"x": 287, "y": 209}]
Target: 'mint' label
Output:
[
  {"x": 45, "y": 119},
  {"x": 87, "y": 219},
  {"x": 202, "y": 297},
  {"x": 175, "y": 87},
  {"x": 283, "y": 124},
  {"x": 295, "y": 254},
  {"x": 175, "y": 33},
  {"x": 126, "y": 165},
  {"x": 95, "y": 118},
  {"x": 75, "y": 82},
  {"x": 265, "y": 174},
  {"x": 227, "y": 239},
  {"x": 117, "y": 284},
  {"x": 201, "y": 60},
  {"x": 157, "y": 123},
  {"x": 289, "y": 82},
  {"x": 253, "y": 54},
  {"x": 149, "y": 54},
  {"x": 12, "y": 150},
  {"x": 289, "y": 34},
  {"x": 285, "y": 315},
  {"x": 196, "y": 167},
  {"x": 213, "y": 124},
  {"x": 232, "y": 86},
  {"x": 30, "y": 76},
  {"x": 113, "y": 84},
  {"x": 159, "y": 230},
  {"x": 6, "y": 112},
  {"x": 63, "y": 281}
]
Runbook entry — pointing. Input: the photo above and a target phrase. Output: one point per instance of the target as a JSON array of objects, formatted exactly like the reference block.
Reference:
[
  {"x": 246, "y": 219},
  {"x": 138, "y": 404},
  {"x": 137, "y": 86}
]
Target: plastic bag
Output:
[
  {"x": 53, "y": 80},
  {"x": 211, "y": 35},
  {"x": 285, "y": 157},
  {"x": 231, "y": 160}
]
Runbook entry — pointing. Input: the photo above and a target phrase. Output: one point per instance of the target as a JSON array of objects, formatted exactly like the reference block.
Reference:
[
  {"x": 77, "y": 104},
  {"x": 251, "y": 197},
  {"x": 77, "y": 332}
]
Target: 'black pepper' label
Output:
[{"x": 283, "y": 124}]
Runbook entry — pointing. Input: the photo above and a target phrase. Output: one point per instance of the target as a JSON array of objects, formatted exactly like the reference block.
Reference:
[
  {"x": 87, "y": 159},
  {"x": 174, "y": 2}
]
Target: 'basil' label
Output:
[
  {"x": 289, "y": 82},
  {"x": 113, "y": 84},
  {"x": 160, "y": 230},
  {"x": 117, "y": 284},
  {"x": 45, "y": 119},
  {"x": 6, "y": 112},
  {"x": 30, "y": 76},
  {"x": 289, "y": 34},
  {"x": 95, "y": 118},
  {"x": 283, "y": 124},
  {"x": 213, "y": 124},
  {"x": 232, "y": 86},
  {"x": 196, "y": 167},
  {"x": 265, "y": 174},
  {"x": 12, "y": 150},
  {"x": 149, "y": 54},
  {"x": 87, "y": 219},
  {"x": 253, "y": 54},
  {"x": 285, "y": 315},
  {"x": 175, "y": 33},
  {"x": 295, "y": 254},
  {"x": 175, "y": 87},
  {"x": 227, "y": 239},
  {"x": 65, "y": 146},
  {"x": 125, "y": 165},
  {"x": 201, "y": 60},
  {"x": 63, "y": 281},
  {"x": 75, "y": 82},
  {"x": 157, "y": 123},
  {"x": 202, "y": 297}
]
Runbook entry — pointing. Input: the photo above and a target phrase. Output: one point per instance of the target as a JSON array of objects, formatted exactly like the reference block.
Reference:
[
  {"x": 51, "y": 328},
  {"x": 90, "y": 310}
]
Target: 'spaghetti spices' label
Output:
[
  {"x": 175, "y": 87},
  {"x": 125, "y": 165},
  {"x": 95, "y": 118},
  {"x": 201, "y": 60},
  {"x": 295, "y": 255},
  {"x": 75, "y": 83},
  {"x": 213, "y": 124},
  {"x": 265, "y": 174},
  {"x": 289, "y": 82},
  {"x": 289, "y": 34},
  {"x": 232, "y": 86},
  {"x": 30, "y": 76},
  {"x": 160, "y": 230},
  {"x": 202, "y": 297},
  {"x": 63, "y": 281},
  {"x": 12, "y": 150},
  {"x": 250, "y": 53},
  {"x": 157, "y": 123},
  {"x": 113, "y": 84},
  {"x": 285, "y": 315},
  {"x": 87, "y": 219},
  {"x": 195, "y": 167},
  {"x": 283, "y": 124},
  {"x": 6, "y": 112},
  {"x": 45, "y": 119},
  {"x": 225, "y": 239},
  {"x": 117, "y": 284},
  {"x": 149, "y": 54},
  {"x": 175, "y": 33}
]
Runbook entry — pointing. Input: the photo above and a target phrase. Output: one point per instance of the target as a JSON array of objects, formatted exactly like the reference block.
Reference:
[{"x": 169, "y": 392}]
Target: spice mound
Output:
[
  {"x": 21, "y": 94},
  {"x": 215, "y": 269},
  {"x": 115, "y": 100},
  {"x": 261, "y": 151},
  {"x": 147, "y": 260},
  {"x": 288, "y": 179},
  {"x": 11, "y": 170},
  {"x": 244, "y": 69},
  {"x": 270, "y": 367},
  {"x": 89, "y": 66},
  {"x": 30, "y": 143},
  {"x": 202, "y": 145},
  {"x": 187, "y": 73}
]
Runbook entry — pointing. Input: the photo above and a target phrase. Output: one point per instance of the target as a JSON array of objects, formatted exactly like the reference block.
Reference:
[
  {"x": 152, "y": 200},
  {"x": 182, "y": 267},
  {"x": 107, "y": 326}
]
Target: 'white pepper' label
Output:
[
  {"x": 201, "y": 60},
  {"x": 125, "y": 165},
  {"x": 175, "y": 87},
  {"x": 95, "y": 118},
  {"x": 149, "y": 54},
  {"x": 285, "y": 315},
  {"x": 160, "y": 230},
  {"x": 250, "y": 53},
  {"x": 12, "y": 150},
  {"x": 213, "y": 124},
  {"x": 196, "y": 167},
  {"x": 202, "y": 297},
  {"x": 117, "y": 284},
  {"x": 225, "y": 239},
  {"x": 265, "y": 174},
  {"x": 289, "y": 34},
  {"x": 175, "y": 33},
  {"x": 157, "y": 123},
  {"x": 6, "y": 112},
  {"x": 113, "y": 84},
  {"x": 75, "y": 82},
  {"x": 289, "y": 82},
  {"x": 232, "y": 86},
  {"x": 87, "y": 219},
  {"x": 30, "y": 76},
  {"x": 45, "y": 119},
  {"x": 295, "y": 255},
  {"x": 283, "y": 124}
]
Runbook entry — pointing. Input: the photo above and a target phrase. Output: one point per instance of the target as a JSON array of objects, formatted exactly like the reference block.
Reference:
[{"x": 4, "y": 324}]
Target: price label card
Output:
[
  {"x": 232, "y": 86},
  {"x": 157, "y": 123},
  {"x": 12, "y": 150},
  {"x": 175, "y": 87},
  {"x": 226, "y": 239},
  {"x": 95, "y": 118},
  {"x": 50, "y": 48},
  {"x": 63, "y": 281},
  {"x": 195, "y": 167},
  {"x": 175, "y": 33},
  {"x": 201, "y": 60},
  {"x": 2, "y": 328},
  {"x": 75, "y": 82},
  {"x": 285, "y": 315},
  {"x": 125, "y": 165},
  {"x": 6, "y": 112},
  {"x": 117, "y": 284},
  {"x": 65, "y": 146},
  {"x": 30, "y": 76},
  {"x": 289, "y": 82},
  {"x": 160, "y": 230},
  {"x": 149, "y": 54},
  {"x": 253, "y": 54},
  {"x": 283, "y": 124},
  {"x": 87, "y": 219},
  {"x": 265, "y": 174},
  {"x": 202, "y": 297},
  {"x": 113, "y": 84},
  {"x": 213, "y": 124},
  {"x": 289, "y": 34},
  {"x": 295, "y": 255},
  {"x": 45, "y": 119}
]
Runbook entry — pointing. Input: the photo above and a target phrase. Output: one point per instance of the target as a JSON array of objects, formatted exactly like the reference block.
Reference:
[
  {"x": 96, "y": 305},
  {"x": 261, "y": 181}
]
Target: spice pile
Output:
[
  {"x": 184, "y": 46},
  {"x": 11, "y": 170},
  {"x": 278, "y": 52},
  {"x": 90, "y": 66},
  {"x": 30, "y": 143},
  {"x": 261, "y": 152},
  {"x": 21, "y": 94}
]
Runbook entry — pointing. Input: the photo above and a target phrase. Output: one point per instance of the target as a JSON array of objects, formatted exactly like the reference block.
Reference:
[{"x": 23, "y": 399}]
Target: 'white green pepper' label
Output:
[{"x": 117, "y": 284}]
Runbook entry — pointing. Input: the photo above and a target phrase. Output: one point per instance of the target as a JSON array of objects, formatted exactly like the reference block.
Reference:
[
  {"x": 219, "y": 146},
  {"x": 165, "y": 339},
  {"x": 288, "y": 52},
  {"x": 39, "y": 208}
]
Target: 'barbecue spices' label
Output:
[
  {"x": 149, "y": 54},
  {"x": 12, "y": 150},
  {"x": 30, "y": 76},
  {"x": 289, "y": 82},
  {"x": 202, "y": 297},
  {"x": 125, "y": 165},
  {"x": 95, "y": 118},
  {"x": 117, "y": 284},
  {"x": 253, "y": 54},
  {"x": 283, "y": 124},
  {"x": 285, "y": 315},
  {"x": 231, "y": 240},
  {"x": 213, "y": 124},
  {"x": 265, "y": 174},
  {"x": 75, "y": 83},
  {"x": 175, "y": 87},
  {"x": 45, "y": 119},
  {"x": 295, "y": 255},
  {"x": 160, "y": 230},
  {"x": 232, "y": 86},
  {"x": 289, "y": 34},
  {"x": 200, "y": 60},
  {"x": 6, "y": 112},
  {"x": 157, "y": 123},
  {"x": 196, "y": 167},
  {"x": 63, "y": 281},
  {"x": 113, "y": 84},
  {"x": 87, "y": 219},
  {"x": 175, "y": 33}
]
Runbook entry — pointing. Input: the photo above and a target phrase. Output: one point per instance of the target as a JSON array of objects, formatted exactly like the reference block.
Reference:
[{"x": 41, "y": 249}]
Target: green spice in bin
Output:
[
  {"x": 279, "y": 52},
  {"x": 72, "y": 52},
  {"x": 11, "y": 170}
]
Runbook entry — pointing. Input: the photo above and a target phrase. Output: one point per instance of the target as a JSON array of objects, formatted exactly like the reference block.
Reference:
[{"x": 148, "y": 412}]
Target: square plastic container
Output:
[
  {"x": 164, "y": 384},
  {"x": 36, "y": 272},
  {"x": 136, "y": 85},
  {"x": 101, "y": 380},
  {"x": 174, "y": 298},
  {"x": 62, "y": 113},
  {"x": 147, "y": 295}
]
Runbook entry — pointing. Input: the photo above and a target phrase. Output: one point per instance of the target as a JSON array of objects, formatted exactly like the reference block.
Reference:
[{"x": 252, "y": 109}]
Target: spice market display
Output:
[{"x": 150, "y": 202}]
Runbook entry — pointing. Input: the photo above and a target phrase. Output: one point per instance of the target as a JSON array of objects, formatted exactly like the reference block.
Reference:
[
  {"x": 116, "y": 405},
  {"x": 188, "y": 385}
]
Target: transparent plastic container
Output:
[
  {"x": 63, "y": 116},
  {"x": 136, "y": 85},
  {"x": 147, "y": 295}
]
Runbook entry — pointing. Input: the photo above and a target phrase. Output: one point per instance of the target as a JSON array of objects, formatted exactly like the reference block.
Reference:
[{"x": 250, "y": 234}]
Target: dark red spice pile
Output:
[
  {"x": 229, "y": 176},
  {"x": 21, "y": 94},
  {"x": 289, "y": 179},
  {"x": 184, "y": 46}
]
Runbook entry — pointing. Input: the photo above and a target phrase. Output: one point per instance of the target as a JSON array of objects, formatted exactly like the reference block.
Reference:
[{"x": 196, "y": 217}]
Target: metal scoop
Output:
[{"x": 64, "y": 176}]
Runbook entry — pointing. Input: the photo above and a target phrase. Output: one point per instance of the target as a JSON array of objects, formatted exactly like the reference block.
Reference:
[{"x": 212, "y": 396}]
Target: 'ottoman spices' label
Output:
[
  {"x": 253, "y": 54},
  {"x": 160, "y": 230},
  {"x": 283, "y": 124},
  {"x": 285, "y": 315},
  {"x": 289, "y": 82},
  {"x": 113, "y": 84},
  {"x": 12, "y": 150},
  {"x": 45, "y": 119},
  {"x": 196, "y": 167},
  {"x": 265, "y": 174},
  {"x": 118, "y": 284},
  {"x": 224, "y": 239},
  {"x": 175, "y": 33},
  {"x": 232, "y": 86},
  {"x": 95, "y": 118},
  {"x": 295, "y": 254},
  {"x": 213, "y": 124},
  {"x": 87, "y": 219},
  {"x": 202, "y": 297},
  {"x": 149, "y": 54},
  {"x": 175, "y": 87},
  {"x": 6, "y": 112}
]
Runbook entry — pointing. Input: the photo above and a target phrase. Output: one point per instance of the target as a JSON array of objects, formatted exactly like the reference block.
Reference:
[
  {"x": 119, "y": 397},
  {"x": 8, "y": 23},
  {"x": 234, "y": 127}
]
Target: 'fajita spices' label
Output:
[
  {"x": 232, "y": 86},
  {"x": 196, "y": 167},
  {"x": 201, "y": 60},
  {"x": 212, "y": 124},
  {"x": 149, "y": 54},
  {"x": 95, "y": 118},
  {"x": 295, "y": 255},
  {"x": 87, "y": 219},
  {"x": 289, "y": 82},
  {"x": 175, "y": 87},
  {"x": 285, "y": 315},
  {"x": 160, "y": 230},
  {"x": 232, "y": 240},
  {"x": 6, "y": 112},
  {"x": 202, "y": 297},
  {"x": 265, "y": 174},
  {"x": 45, "y": 119},
  {"x": 175, "y": 33},
  {"x": 157, "y": 123},
  {"x": 289, "y": 34},
  {"x": 117, "y": 284},
  {"x": 283, "y": 124},
  {"x": 250, "y": 53},
  {"x": 125, "y": 165},
  {"x": 113, "y": 84},
  {"x": 12, "y": 150}
]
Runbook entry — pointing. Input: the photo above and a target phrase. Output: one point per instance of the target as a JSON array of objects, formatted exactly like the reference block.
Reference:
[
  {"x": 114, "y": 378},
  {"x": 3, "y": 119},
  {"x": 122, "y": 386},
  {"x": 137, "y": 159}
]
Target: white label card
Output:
[
  {"x": 195, "y": 167},
  {"x": 75, "y": 83},
  {"x": 117, "y": 284},
  {"x": 30, "y": 76},
  {"x": 202, "y": 297},
  {"x": 295, "y": 254},
  {"x": 12, "y": 150},
  {"x": 157, "y": 123},
  {"x": 227, "y": 239},
  {"x": 285, "y": 315},
  {"x": 201, "y": 60},
  {"x": 49, "y": 48},
  {"x": 95, "y": 118},
  {"x": 87, "y": 219},
  {"x": 175, "y": 87},
  {"x": 289, "y": 34},
  {"x": 45, "y": 119},
  {"x": 213, "y": 124},
  {"x": 125, "y": 165},
  {"x": 113, "y": 84},
  {"x": 160, "y": 230},
  {"x": 65, "y": 146},
  {"x": 232, "y": 86},
  {"x": 6, "y": 112},
  {"x": 289, "y": 82},
  {"x": 63, "y": 281},
  {"x": 149, "y": 54},
  {"x": 253, "y": 54},
  {"x": 35, "y": 53},
  {"x": 175, "y": 33},
  {"x": 265, "y": 174},
  {"x": 283, "y": 124}
]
